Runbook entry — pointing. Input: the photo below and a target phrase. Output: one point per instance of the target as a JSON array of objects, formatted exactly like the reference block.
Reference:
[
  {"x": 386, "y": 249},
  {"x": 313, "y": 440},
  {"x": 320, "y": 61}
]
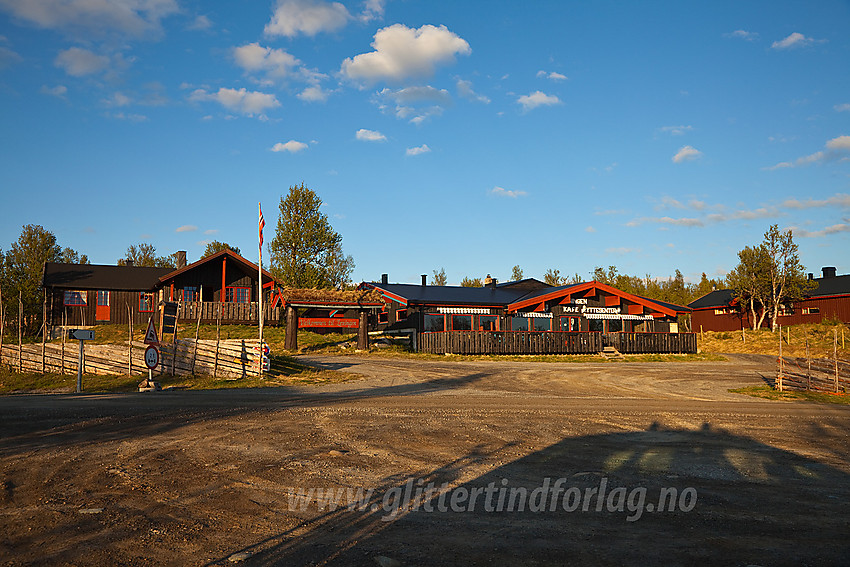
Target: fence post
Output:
[
  {"x": 808, "y": 366},
  {"x": 130, "y": 341},
  {"x": 20, "y": 336},
  {"x": 835, "y": 355},
  {"x": 44, "y": 333},
  {"x": 781, "y": 362}
]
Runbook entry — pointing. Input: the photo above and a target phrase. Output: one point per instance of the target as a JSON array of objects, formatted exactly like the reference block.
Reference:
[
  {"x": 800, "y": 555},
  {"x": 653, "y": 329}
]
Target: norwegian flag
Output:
[{"x": 262, "y": 224}]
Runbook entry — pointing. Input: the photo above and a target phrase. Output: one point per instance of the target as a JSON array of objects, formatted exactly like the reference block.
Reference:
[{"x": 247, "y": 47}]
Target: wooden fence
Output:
[
  {"x": 230, "y": 313},
  {"x": 232, "y": 358},
  {"x": 652, "y": 343},
  {"x": 553, "y": 342},
  {"x": 815, "y": 374},
  {"x": 510, "y": 342}
]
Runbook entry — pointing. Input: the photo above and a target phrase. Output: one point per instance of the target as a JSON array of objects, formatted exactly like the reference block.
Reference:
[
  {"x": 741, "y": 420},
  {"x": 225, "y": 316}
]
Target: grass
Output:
[
  {"x": 769, "y": 393},
  {"x": 285, "y": 371},
  {"x": 763, "y": 341}
]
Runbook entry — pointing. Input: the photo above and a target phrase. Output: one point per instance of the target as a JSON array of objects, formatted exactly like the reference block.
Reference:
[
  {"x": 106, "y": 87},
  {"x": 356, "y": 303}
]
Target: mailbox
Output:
[{"x": 81, "y": 334}]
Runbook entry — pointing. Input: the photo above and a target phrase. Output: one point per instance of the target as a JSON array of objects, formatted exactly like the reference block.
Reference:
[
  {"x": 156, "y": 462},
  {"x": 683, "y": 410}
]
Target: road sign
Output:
[
  {"x": 151, "y": 357},
  {"x": 150, "y": 334},
  {"x": 169, "y": 317},
  {"x": 81, "y": 334}
]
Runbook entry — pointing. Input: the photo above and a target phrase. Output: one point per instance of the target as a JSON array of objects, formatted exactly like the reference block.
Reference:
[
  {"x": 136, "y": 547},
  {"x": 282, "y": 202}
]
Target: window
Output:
[
  {"x": 434, "y": 323},
  {"x": 384, "y": 317},
  {"x": 569, "y": 324},
  {"x": 461, "y": 322},
  {"x": 596, "y": 325},
  {"x": 103, "y": 299},
  {"x": 145, "y": 302},
  {"x": 519, "y": 323},
  {"x": 811, "y": 310},
  {"x": 400, "y": 314},
  {"x": 191, "y": 293},
  {"x": 722, "y": 311},
  {"x": 615, "y": 325},
  {"x": 488, "y": 323},
  {"x": 541, "y": 324},
  {"x": 75, "y": 298},
  {"x": 238, "y": 295}
]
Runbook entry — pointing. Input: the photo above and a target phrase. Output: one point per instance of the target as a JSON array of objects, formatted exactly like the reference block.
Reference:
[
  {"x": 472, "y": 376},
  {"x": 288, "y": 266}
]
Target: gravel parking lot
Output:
[{"x": 468, "y": 463}]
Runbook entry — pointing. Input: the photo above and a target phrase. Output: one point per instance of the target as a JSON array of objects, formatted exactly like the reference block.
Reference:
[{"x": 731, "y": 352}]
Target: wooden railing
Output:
[
  {"x": 553, "y": 342},
  {"x": 229, "y": 313},
  {"x": 510, "y": 342},
  {"x": 653, "y": 343}
]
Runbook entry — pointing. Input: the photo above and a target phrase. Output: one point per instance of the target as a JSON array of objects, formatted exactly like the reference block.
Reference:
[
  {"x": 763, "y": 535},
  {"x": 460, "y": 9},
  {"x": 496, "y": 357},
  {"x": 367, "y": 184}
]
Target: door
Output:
[{"x": 102, "y": 309}]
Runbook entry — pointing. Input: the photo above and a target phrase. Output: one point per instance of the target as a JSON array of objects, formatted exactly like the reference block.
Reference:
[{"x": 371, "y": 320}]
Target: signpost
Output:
[
  {"x": 151, "y": 353},
  {"x": 81, "y": 335}
]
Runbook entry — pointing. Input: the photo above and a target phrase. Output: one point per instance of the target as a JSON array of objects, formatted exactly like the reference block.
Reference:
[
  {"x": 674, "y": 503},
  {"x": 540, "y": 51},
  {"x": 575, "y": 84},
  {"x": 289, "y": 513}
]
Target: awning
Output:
[
  {"x": 464, "y": 310},
  {"x": 618, "y": 316},
  {"x": 533, "y": 314}
]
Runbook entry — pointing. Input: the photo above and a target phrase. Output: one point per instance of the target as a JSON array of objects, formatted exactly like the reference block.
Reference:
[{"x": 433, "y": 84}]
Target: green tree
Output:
[
  {"x": 306, "y": 252},
  {"x": 471, "y": 282},
  {"x": 552, "y": 277},
  {"x": 144, "y": 255},
  {"x": 215, "y": 246},
  {"x": 516, "y": 273},
  {"x": 22, "y": 272},
  {"x": 749, "y": 280},
  {"x": 785, "y": 274},
  {"x": 439, "y": 277}
]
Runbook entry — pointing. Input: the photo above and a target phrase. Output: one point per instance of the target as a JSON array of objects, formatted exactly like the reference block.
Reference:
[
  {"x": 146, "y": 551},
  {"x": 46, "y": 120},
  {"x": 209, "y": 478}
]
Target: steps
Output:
[{"x": 611, "y": 353}]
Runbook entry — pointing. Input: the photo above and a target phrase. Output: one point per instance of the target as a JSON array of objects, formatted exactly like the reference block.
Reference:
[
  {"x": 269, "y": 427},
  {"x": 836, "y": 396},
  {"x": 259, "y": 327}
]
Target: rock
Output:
[
  {"x": 337, "y": 452},
  {"x": 385, "y": 561},
  {"x": 90, "y": 511},
  {"x": 241, "y": 556}
]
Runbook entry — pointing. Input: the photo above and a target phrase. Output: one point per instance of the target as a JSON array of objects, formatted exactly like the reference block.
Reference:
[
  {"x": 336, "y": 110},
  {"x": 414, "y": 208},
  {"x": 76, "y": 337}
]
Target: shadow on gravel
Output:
[
  {"x": 37, "y": 422},
  {"x": 662, "y": 496}
]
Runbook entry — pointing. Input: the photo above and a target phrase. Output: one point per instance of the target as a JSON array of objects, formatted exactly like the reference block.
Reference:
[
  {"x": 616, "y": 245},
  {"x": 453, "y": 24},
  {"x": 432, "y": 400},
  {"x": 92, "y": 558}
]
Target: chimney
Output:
[
  {"x": 129, "y": 263},
  {"x": 489, "y": 282},
  {"x": 181, "y": 259},
  {"x": 385, "y": 279},
  {"x": 811, "y": 276},
  {"x": 424, "y": 279},
  {"x": 828, "y": 272}
]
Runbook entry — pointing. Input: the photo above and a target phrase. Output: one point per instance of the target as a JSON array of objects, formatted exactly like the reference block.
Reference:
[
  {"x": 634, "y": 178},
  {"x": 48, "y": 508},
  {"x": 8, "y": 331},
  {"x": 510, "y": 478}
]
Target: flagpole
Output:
[{"x": 260, "y": 279}]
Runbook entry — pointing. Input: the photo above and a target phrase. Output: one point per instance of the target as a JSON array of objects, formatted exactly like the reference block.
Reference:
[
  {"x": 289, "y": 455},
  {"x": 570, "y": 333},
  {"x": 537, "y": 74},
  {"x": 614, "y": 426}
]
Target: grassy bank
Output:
[
  {"x": 763, "y": 341},
  {"x": 769, "y": 393}
]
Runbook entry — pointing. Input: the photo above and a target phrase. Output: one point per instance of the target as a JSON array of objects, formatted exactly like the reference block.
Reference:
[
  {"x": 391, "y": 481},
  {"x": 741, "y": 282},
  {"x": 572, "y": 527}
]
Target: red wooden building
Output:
[{"x": 720, "y": 311}]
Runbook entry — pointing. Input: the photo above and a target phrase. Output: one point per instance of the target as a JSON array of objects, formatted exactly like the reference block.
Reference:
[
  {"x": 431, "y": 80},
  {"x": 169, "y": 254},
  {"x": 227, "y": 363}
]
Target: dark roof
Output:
[
  {"x": 545, "y": 291},
  {"x": 249, "y": 267},
  {"x": 837, "y": 285},
  {"x": 92, "y": 276},
  {"x": 451, "y": 295},
  {"x": 717, "y": 298},
  {"x": 527, "y": 283}
]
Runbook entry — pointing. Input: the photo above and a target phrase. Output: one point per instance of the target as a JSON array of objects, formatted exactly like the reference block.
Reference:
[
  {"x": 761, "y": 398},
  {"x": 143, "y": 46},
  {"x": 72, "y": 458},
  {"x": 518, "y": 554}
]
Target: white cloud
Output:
[
  {"x": 307, "y": 17},
  {"x": 676, "y": 130},
  {"x": 590, "y": 230},
  {"x": 79, "y": 62},
  {"x": 118, "y": 99},
  {"x": 58, "y": 91},
  {"x": 796, "y": 39},
  {"x": 687, "y": 222},
  {"x": 313, "y": 94},
  {"x": 622, "y": 251},
  {"x": 836, "y": 149},
  {"x": 423, "y": 149},
  {"x": 464, "y": 89},
  {"x": 537, "y": 98},
  {"x": 502, "y": 192},
  {"x": 211, "y": 231},
  {"x": 370, "y": 135},
  {"x": 413, "y": 95},
  {"x": 686, "y": 153},
  {"x": 201, "y": 23},
  {"x": 553, "y": 76},
  {"x": 8, "y": 57},
  {"x": 742, "y": 34},
  {"x": 253, "y": 57},
  {"x": 372, "y": 10},
  {"x": 292, "y": 146},
  {"x": 186, "y": 228},
  {"x": 840, "y": 200},
  {"x": 413, "y": 103},
  {"x": 402, "y": 52},
  {"x": 241, "y": 100},
  {"x": 834, "y": 229},
  {"x": 94, "y": 18}
]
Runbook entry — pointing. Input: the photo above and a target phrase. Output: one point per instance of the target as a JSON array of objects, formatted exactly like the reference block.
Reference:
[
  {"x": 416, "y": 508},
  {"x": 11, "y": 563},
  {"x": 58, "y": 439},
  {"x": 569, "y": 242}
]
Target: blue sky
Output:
[{"x": 473, "y": 136}]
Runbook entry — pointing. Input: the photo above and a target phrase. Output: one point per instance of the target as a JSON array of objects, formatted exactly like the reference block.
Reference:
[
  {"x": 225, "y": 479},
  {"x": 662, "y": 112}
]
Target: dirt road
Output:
[{"x": 469, "y": 463}]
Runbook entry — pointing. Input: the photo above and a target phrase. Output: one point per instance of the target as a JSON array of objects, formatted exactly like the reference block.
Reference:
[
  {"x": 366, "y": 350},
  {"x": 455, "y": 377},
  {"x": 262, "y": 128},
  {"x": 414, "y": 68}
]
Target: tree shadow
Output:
[{"x": 710, "y": 497}]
